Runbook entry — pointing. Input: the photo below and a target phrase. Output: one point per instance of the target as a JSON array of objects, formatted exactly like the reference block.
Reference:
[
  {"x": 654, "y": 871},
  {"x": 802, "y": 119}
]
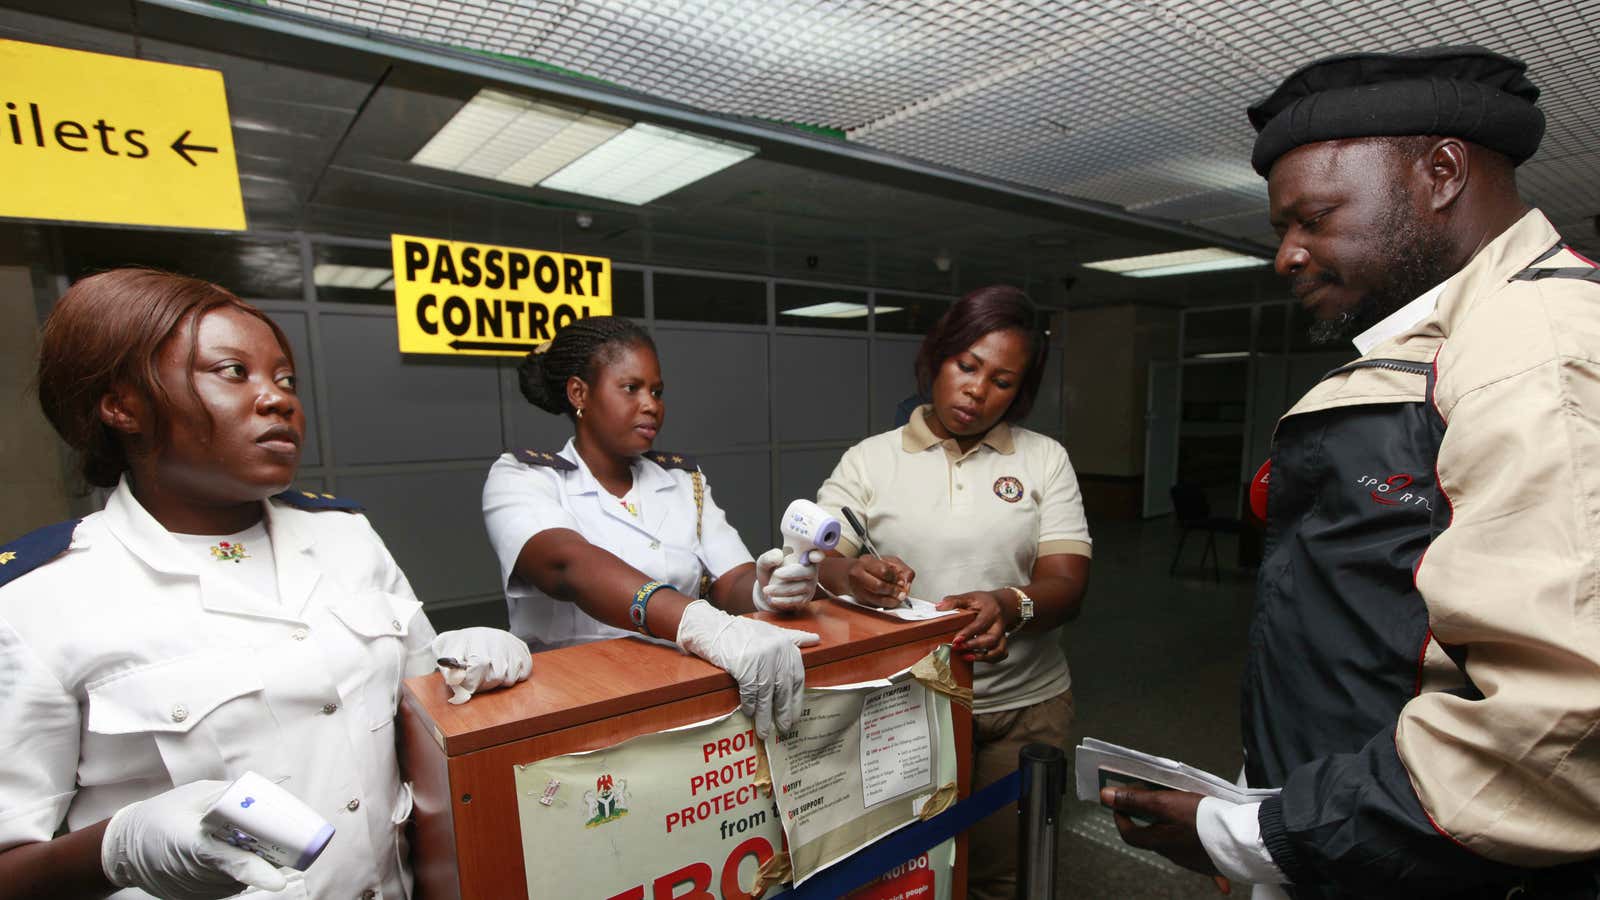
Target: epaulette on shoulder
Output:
[
  {"x": 1587, "y": 272},
  {"x": 315, "y": 502},
  {"x": 1581, "y": 273},
  {"x": 545, "y": 458},
  {"x": 672, "y": 460},
  {"x": 34, "y": 549}
]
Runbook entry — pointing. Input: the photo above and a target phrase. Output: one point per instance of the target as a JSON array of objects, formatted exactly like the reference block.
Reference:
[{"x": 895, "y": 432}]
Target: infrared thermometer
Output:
[
  {"x": 256, "y": 815},
  {"x": 807, "y": 527}
]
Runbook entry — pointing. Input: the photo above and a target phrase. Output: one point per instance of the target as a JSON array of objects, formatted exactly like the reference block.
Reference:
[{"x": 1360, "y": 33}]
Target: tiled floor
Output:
[{"x": 1155, "y": 665}]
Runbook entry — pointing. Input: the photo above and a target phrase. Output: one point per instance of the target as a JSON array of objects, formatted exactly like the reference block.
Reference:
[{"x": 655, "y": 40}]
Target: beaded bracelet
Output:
[{"x": 641, "y": 599}]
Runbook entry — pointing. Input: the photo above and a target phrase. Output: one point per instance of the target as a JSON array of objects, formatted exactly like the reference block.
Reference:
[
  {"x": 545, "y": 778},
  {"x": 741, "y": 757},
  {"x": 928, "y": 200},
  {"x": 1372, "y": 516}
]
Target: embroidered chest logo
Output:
[
  {"x": 223, "y": 551},
  {"x": 1393, "y": 491},
  {"x": 607, "y": 802},
  {"x": 6, "y": 557},
  {"x": 1008, "y": 489}
]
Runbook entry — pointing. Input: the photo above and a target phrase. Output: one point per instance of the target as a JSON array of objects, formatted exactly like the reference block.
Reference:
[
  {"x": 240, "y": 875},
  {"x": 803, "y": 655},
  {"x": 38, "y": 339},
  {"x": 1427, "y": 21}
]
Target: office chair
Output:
[{"x": 1193, "y": 512}]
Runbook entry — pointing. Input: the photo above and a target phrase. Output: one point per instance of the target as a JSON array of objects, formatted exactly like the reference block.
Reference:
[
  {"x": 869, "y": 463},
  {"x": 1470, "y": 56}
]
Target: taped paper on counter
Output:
[
  {"x": 937, "y": 802},
  {"x": 863, "y": 761},
  {"x": 775, "y": 871},
  {"x": 933, "y": 671}
]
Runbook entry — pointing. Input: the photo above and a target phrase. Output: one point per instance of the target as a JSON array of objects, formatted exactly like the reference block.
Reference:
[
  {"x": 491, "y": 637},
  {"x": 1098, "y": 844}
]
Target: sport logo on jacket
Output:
[{"x": 1392, "y": 491}]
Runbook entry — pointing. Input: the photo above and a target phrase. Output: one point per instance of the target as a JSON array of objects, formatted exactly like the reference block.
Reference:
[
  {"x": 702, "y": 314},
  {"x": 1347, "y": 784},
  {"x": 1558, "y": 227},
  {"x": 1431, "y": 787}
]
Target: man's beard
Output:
[{"x": 1416, "y": 259}]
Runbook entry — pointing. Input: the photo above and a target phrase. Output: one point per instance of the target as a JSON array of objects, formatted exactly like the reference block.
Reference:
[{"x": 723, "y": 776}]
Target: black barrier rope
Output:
[{"x": 866, "y": 864}]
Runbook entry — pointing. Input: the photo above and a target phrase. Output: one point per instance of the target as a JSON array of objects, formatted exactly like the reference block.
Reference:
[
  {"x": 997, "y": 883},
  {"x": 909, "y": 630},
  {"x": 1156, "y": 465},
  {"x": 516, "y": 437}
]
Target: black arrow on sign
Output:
[
  {"x": 490, "y": 345},
  {"x": 183, "y": 149}
]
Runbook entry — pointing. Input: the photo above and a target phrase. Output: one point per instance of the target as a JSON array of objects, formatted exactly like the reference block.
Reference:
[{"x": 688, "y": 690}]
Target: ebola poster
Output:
[
  {"x": 677, "y": 814},
  {"x": 863, "y": 762},
  {"x": 691, "y": 814}
]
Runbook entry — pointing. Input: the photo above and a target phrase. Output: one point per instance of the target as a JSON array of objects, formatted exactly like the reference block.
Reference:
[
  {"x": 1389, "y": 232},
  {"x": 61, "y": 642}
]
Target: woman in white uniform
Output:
[
  {"x": 206, "y": 623},
  {"x": 606, "y": 539},
  {"x": 983, "y": 515}
]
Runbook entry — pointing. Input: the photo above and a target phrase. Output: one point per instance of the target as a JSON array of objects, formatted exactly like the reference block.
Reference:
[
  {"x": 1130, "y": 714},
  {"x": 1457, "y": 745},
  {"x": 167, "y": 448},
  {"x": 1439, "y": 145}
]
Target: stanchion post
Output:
[{"x": 1044, "y": 780}]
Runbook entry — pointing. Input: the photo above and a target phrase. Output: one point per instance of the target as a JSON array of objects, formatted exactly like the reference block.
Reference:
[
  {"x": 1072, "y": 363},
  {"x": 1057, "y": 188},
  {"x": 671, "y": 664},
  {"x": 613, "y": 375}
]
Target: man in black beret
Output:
[{"x": 1423, "y": 675}]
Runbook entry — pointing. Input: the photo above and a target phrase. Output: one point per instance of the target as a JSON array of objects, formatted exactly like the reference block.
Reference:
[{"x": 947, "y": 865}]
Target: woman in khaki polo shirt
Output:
[{"x": 985, "y": 515}]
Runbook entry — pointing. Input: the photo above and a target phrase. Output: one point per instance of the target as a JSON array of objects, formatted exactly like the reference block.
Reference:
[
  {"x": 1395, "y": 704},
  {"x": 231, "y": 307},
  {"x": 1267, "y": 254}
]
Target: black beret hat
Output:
[{"x": 1463, "y": 92}]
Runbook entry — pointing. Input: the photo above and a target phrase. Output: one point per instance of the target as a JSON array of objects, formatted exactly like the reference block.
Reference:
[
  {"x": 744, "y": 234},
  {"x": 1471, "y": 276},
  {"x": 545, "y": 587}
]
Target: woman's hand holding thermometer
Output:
[{"x": 786, "y": 579}]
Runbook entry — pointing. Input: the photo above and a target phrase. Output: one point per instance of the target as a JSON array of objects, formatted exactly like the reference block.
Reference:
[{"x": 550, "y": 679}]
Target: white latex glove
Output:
[
  {"x": 763, "y": 658},
  {"x": 159, "y": 846},
  {"x": 478, "y": 659},
  {"x": 783, "y": 586}
]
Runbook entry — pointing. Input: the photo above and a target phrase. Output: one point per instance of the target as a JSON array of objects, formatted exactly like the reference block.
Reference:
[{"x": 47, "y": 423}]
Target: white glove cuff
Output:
[
  {"x": 699, "y": 627},
  {"x": 759, "y": 598},
  {"x": 114, "y": 861}
]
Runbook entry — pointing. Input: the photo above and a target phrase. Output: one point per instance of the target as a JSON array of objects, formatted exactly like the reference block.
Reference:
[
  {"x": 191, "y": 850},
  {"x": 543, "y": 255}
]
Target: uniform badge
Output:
[
  {"x": 1008, "y": 488},
  {"x": 223, "y": 551}
]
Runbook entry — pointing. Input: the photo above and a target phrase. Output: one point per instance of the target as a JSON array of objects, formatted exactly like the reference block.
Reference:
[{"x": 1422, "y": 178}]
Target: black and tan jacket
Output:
[{"x": 1424, "y": 670}]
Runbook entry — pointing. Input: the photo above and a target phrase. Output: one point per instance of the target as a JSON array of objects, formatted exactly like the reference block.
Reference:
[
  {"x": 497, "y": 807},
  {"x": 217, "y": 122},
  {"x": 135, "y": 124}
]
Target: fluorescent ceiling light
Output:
[
  {"x": 1225, "y": 354},
  {"x": 364, "y": 278},
  {"x": 645, "y": 162},
  {"x": 835, "y": 309},
  {"x": 514, "y": 139},
  {"x": 1182, "y": 262}
]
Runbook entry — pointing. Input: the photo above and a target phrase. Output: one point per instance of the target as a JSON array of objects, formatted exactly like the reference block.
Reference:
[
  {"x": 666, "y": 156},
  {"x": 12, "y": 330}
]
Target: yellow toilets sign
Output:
[
  {"x": 477, "y": 299},
  {"x": 86, "y": 137}
]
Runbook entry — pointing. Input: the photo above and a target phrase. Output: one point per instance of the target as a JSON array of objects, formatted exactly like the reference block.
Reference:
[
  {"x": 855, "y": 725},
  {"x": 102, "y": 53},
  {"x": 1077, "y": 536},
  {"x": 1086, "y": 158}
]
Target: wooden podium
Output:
[{"x": 466, "y": 838}]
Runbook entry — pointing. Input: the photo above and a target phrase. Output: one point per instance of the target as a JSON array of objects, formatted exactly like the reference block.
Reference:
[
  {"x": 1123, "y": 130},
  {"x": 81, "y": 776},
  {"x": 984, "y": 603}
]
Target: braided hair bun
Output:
[{"x": 580, "y": 349}]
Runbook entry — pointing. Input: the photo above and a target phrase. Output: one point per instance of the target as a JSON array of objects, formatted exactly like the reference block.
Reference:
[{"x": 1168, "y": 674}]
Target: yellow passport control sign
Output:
[
  {"x": 481, "y": 300},
  {"x": 86, "y": 137}
]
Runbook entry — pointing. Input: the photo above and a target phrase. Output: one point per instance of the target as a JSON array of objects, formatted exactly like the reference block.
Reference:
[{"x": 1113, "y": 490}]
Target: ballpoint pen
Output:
[{"x": 860, "y": 529}]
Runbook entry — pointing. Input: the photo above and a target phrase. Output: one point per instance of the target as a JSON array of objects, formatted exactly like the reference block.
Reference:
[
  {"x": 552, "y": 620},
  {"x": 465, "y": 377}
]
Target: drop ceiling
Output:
[
  {"x": 1018, "y": 139},
  {"x": 1136, "y": 103}
]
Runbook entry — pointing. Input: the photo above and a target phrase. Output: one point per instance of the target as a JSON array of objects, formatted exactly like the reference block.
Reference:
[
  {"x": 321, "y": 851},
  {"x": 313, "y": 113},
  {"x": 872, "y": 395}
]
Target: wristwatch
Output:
[{"x": 1024, "y": 610}]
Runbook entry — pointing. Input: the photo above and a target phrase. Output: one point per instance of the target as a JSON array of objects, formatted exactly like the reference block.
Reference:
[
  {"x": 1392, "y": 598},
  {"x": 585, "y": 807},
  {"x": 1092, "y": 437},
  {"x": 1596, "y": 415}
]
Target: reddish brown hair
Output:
[
  {"x": 105, "y": 332},
  {"x": 998, "y": 307}
]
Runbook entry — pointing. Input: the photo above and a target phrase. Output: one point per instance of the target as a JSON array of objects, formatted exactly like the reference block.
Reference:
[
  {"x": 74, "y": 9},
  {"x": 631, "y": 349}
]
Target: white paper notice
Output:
[
  {"x": 915, "y": 611},
  {"x": 896, "y": 748},
  {"x": 862, "y": 762}
]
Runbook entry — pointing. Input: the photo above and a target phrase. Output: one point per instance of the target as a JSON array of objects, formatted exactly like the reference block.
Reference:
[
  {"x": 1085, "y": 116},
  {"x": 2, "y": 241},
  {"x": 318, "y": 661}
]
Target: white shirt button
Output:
[
  {"x": 329, "y": 709},
  {"x": 179, "y": 713},
  {"x": 353, "y": 805},
  {"x": 395, "y": 624},
  {"x": 300, "y": 634},
  {"x": 655, "y": 545},
  {"x": 961, "y": 487}
]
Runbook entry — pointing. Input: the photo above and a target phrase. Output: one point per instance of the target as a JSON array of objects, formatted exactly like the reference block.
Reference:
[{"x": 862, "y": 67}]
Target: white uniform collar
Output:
[
  {"x": 647, "y": 476},
  {"x": 1401, "y": 320},
  {"x": 290, "y": 542},
  {"x": 132, "y": 525}
]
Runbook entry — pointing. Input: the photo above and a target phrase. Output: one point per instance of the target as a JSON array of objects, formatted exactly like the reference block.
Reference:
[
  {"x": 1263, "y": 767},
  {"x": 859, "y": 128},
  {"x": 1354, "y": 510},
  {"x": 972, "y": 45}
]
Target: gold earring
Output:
[{"x": 580, "y": 412}]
